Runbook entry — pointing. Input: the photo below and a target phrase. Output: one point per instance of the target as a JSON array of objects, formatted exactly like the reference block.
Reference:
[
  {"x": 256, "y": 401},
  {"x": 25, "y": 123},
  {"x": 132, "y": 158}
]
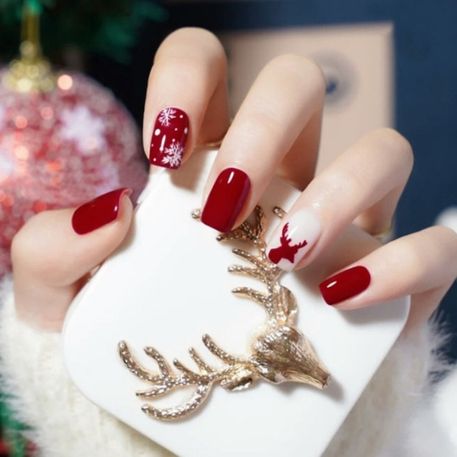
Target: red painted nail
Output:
[
  {"x": 169, "y": 138},
  {"x": 226, "y": 199},
  {"x": 98, "y": 212},
  {"x": 345, "y": 284}
]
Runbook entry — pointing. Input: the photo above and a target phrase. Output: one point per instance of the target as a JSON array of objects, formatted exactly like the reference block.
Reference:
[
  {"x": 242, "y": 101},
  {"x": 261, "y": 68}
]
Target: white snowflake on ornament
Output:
[
  {"x": 6, "y": 167},
  {"x": 2, "y": 116},
  {"x": 82, "y": 127},
  {"x": 166, "y": 115},
  {"x": 173, "y": 154},
  {"x": 7, "y": 164}
]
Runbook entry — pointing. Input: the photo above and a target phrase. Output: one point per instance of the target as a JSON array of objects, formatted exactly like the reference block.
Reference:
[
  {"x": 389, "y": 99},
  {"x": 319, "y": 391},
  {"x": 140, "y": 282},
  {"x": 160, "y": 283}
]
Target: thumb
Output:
[{"x": 55, "y": 250}]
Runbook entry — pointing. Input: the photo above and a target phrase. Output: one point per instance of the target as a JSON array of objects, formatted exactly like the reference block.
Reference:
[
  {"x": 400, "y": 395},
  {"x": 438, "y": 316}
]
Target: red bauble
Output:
[{"x": 61, "y": 148}]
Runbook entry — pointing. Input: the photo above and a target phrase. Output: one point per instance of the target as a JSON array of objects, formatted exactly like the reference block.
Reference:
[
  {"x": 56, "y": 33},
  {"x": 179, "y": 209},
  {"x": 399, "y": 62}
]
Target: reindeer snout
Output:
[
  {"x": 317, "y": 377},
  {"x": 283, "y": 354}
]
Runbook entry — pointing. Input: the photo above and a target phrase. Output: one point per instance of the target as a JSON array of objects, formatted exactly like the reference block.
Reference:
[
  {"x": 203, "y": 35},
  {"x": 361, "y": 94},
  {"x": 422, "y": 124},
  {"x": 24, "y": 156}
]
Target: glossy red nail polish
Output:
[
  {"x": 345, "y": 284},
  {"x": 98, "y": 212},
  {"x": 226, "y": 199},
  {"x": 169, "y": 137}
]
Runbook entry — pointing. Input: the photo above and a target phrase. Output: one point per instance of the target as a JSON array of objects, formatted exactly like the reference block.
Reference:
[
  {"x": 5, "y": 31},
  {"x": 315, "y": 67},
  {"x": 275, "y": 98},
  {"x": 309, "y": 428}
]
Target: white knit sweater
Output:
[{"x": 399, "y": 414}]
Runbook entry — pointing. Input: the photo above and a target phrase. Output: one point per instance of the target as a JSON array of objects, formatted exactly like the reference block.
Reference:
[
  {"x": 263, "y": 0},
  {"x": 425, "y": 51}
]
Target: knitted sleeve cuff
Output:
[{"x": 40, "y": 394}]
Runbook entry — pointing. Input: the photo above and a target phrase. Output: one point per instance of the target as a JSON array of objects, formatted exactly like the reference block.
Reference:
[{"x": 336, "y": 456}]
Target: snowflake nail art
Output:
[
  {"x": 173, "y": 155},
  {"x": 169, "y": 138},
  {"x": 166, "y": 116}
]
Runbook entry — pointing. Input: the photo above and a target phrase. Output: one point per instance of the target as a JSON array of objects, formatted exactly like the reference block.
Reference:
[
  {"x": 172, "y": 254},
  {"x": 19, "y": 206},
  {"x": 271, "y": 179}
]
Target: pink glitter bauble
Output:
[{"x": 61, "y": 148}]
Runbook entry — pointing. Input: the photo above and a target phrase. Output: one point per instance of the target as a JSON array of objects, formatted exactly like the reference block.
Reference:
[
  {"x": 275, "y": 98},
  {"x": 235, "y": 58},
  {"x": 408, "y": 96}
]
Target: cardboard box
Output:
[{"x": 357, "y": 61}]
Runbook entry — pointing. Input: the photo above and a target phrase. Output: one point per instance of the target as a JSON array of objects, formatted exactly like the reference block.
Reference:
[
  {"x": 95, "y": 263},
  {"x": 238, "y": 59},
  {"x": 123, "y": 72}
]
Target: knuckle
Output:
[
  {"x": 196, "y": 43},
  {"x": 345, "y": 180},
  {"x": 424, "y": 253},
  {"x": 17, "y": 246},
  {"x": 193, "y": 33},
  {"x": 409, "y": 255},
  {"x": 30, "y": 248},
  {"x": 23, "y": 243},
  {"x": 446, "y": 237},
  {"x": 262, "y": 124},
  {"x": 442, "y": 231},
  {"x": 208, "y": 39},
  {"x": 294, "y": 65},
  {"x": 395, "y": 141},
  {"x": 179, "y": 71},
  {"x": 295, "y": 62}
]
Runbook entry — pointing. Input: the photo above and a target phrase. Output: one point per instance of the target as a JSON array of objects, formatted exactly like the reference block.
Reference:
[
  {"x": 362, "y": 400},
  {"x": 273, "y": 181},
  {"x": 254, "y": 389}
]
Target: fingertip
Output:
[
  {"x": 102, "y": 210},
  {"x": 126, "y": 204},
  {"x": 345, "y": 285},
  {"x": 226, "y": 200}
]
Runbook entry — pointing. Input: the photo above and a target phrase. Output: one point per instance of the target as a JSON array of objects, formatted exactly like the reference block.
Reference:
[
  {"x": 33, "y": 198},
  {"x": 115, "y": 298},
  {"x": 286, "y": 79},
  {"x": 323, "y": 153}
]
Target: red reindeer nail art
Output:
[
  {"x": 286, "y": 250},
  {"x": 169, "y": 138},
  {"x": 291, "y": 242}
]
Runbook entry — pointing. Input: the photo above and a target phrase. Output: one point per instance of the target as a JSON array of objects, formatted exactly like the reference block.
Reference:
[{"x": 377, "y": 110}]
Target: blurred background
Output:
[{"x": 387, "y": 63}]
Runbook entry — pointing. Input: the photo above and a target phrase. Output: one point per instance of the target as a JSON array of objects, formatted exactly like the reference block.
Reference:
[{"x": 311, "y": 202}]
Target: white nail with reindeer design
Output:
[{"x": 293, "y": 239}]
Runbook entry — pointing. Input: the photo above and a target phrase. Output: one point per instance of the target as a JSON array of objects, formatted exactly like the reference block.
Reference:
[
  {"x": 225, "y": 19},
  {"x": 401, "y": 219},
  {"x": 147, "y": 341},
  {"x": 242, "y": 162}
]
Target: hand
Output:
[{"x": 276, "y": 130}]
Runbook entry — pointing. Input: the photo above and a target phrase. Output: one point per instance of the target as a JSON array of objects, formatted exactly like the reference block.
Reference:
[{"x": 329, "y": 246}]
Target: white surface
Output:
[{"x": 167, "y": 287}]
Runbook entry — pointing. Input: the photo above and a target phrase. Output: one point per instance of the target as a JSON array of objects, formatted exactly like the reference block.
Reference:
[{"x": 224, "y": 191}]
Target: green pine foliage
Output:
[
  {"x": 108, "y": 27},
  {"x": 12, "y": 430}
]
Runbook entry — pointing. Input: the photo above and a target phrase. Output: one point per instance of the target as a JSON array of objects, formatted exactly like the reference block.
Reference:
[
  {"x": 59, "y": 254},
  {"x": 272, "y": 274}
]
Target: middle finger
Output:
[{"x": 281, "y": 107}]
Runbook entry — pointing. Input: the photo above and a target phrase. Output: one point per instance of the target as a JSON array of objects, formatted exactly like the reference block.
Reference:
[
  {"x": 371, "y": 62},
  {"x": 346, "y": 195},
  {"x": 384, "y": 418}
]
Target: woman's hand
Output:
[{"x": 276, "y": 130}]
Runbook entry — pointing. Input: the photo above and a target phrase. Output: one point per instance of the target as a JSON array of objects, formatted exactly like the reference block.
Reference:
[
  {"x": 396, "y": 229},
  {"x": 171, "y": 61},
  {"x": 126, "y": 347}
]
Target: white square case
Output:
[{"x": 168, "y": 285}]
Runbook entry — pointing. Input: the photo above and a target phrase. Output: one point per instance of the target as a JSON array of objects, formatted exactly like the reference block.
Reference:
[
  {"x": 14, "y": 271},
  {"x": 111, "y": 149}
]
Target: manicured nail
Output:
[
  {"x": 344, "y": 285},
  {"x": 226, "y": 199},
  {"x": 169, "y": 138},
  {"x": 98, "y": 212},
  {"x": 293, "y": 239}
]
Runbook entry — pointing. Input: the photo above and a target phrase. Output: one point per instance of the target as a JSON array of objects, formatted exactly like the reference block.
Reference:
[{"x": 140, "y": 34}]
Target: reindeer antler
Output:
[
  {"x": 285, "y": 233},
  {"x": 278, "y": 301},
  {"x": 248, "y": 231},
  {"x": 167, "y": 380},
  {"x": 280, "y": 354}
]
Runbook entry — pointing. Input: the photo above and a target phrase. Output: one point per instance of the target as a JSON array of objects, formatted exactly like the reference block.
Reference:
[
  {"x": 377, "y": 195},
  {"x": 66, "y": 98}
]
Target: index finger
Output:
[{"x": 186, "y": 100}]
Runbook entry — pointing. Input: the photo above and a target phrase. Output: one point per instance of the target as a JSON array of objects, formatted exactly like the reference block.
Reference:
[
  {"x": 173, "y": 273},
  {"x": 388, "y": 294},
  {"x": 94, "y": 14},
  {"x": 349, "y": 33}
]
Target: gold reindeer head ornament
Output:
[{"x": 280, "y": 353}]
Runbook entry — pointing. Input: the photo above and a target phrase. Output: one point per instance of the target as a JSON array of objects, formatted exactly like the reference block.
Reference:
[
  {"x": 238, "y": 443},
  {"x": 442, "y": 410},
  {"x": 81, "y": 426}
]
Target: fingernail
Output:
[
  {"x": 344, "y": 285},
  {"x": 169, "y": 138},
  {"x": 293, "y": 239},
  {"x": 226, "y": 199},
  {"x": 98, "y": 212}
]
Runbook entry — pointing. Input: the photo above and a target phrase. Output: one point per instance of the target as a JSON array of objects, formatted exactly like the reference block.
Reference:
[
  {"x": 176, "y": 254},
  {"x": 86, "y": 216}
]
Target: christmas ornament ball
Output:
[{"x": 62, "y": 147}]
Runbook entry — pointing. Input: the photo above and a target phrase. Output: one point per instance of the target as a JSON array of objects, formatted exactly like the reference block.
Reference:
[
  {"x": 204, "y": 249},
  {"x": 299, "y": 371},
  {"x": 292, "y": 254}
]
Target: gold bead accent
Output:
[{"x": 31, "y": 72}]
